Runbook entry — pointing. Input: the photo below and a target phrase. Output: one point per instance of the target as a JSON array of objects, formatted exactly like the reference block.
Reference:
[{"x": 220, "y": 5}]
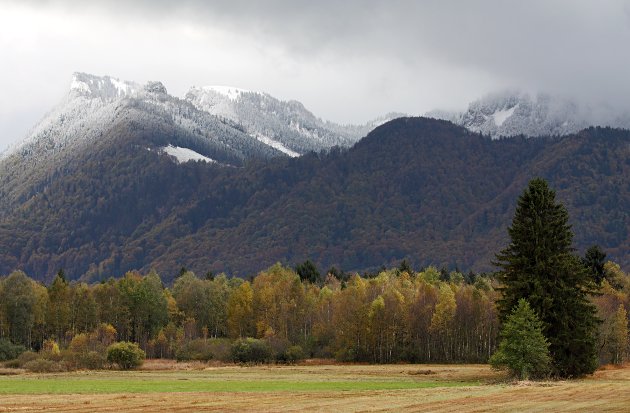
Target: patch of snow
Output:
[
  {"x": 79, "y": 85},
  {"x": 501, "y": 116},
  {"x": 184, "y": 154},
  {"x": 121, "y": 87},
  {"x": 312, "y": 134},
  {"x": 232, "y": 93},
  {"x": 276, "y": 145}
]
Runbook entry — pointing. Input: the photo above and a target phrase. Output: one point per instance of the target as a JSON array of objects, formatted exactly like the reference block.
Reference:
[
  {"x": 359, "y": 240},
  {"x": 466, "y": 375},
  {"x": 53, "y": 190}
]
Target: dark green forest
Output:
[{"x": 416, "y": 189}]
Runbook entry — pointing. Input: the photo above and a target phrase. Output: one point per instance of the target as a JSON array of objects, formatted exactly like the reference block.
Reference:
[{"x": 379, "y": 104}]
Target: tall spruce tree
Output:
[
  {"x": 539, "y": 266},
  {"x": 594, "y": 260}
]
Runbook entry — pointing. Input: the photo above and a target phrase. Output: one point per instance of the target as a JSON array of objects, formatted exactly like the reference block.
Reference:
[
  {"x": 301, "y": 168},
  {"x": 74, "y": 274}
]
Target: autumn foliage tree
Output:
[{"x": 388, "y": 317}]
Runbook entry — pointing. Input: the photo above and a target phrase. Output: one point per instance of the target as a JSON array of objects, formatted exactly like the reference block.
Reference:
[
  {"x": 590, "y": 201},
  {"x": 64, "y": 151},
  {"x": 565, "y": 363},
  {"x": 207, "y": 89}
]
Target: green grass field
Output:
[
  {"x": 163, "y": 386},
  {"x": 106, "y": 383}
]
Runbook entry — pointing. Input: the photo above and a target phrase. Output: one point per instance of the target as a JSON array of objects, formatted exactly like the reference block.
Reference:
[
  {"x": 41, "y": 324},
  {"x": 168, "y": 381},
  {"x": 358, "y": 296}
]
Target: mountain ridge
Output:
[
  {"x": 95, "y": 103},
  {"x": 512, "y": 113},
  {"x": 415, "y": 188}
]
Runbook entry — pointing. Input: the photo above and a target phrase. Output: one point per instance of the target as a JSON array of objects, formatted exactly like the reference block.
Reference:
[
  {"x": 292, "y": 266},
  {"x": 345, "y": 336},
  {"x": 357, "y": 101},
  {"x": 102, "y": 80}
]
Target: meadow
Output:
[{"x": 168, "y": 386}]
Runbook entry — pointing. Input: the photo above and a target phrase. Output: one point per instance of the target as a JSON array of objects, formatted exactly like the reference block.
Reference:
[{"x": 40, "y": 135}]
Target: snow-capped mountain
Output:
[
  {"x": 516, "y": 113},
  {"x": 220, "y": 125},
  {"x": 98, "y": 111},
  {"x": 285, "y": 125},
  {"x": 94, "y": 102}
]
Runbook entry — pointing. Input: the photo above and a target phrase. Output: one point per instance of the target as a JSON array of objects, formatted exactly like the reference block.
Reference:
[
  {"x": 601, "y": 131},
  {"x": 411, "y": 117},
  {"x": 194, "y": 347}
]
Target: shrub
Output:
[
  {"x": 197, "y": 349},
  {"x": 251, "y": 350},
  {"x": 51, "y": 347},
  {"x": 204, "y": 349},
  {"x": 294, "y": 354},
  {"x": 278, "y": 347},
  {"x": 41, "y": 365},
  {"x": 126, "y": 355},
  {"x": 79, "y": 343},
  {"x": 23, "y": 358},
  {"x": 221, "y": 349},
  {"x": 10, "y": 351},
  {"x": 12, "y": 364},
  {"x": 91, "y": 360}
]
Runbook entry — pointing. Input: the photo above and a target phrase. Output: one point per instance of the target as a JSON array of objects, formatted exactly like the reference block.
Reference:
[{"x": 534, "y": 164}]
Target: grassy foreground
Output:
[{"x": 163, "y": 386}]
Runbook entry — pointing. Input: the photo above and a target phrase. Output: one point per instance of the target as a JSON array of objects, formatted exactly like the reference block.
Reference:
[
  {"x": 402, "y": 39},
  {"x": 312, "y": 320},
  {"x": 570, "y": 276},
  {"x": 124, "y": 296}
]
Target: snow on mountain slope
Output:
[
  {"x": 184, "y": 154},
  {"x": 224, "y": 124},
  {"x": 515, "y": 113},
  {"x": 93, "y": 104},
  {"x": 501, "y": 116},
  {"x": 100, "y": 108},
  {"x": 230, "y": 92},
  {"x": 277, "y": 145},
  {"x": 103, "y": 87},
  {"x": 285, "y": 125},
  {"x": 250, "y": 123}
]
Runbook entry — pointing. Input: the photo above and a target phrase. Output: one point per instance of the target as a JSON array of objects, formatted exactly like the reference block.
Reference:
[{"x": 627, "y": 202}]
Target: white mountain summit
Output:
[
  {"x": 515, "y": 113},
  {"x": 218, "y": 124},
  {"x": 286, "y": 126},
  {"x": 94, "y": 103}
]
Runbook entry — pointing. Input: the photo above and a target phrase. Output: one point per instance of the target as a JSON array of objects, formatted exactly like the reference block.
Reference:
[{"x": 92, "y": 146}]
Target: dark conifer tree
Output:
[
  {"x": 594, "y": 260},
  {"x": 308, "y": 272},
  {"x": 61, "y": 274},
  {"x": 405, "y": 267},
  {"x": 539, "y": 266}
]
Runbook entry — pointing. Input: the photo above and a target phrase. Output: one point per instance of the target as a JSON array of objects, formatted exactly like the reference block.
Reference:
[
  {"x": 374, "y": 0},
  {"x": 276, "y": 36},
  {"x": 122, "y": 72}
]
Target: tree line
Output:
[
  {"x": 395, "y": 315},
  {"x": 560, "y": 314},
  {"x": 392, "y": 316}
]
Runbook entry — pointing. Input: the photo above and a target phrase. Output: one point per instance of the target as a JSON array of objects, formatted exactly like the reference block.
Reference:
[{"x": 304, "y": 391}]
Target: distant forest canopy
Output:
[
  {"x": 396, "y": 315},
  {"x": 415, "y": 188}
]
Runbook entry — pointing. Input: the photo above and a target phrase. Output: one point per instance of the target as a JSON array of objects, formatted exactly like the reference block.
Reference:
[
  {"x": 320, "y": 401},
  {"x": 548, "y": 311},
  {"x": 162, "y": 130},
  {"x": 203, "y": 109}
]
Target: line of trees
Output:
[
  {"x": 393, "y": 316},
  {"x": 396, "y": 315}
]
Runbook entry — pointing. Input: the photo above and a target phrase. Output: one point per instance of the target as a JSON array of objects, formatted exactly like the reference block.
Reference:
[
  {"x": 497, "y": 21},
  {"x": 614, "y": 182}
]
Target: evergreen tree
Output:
[
  {"x": 308, "y": 272},
  {"x": 594, "y": 260},
  {"x": 405, "y": 267},
  {"x": 539, "y": 265},
  {"x": 61, "y": 274},
  {"x": 523, "y": 349}
]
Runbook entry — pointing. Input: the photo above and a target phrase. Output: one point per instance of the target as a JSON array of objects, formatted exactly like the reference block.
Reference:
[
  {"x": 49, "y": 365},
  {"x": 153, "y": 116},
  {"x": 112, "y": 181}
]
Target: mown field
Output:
[{"x": 166, "y": 386}]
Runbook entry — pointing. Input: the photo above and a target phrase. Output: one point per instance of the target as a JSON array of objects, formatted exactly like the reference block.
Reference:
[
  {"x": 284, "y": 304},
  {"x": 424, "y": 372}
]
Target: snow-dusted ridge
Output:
[
  {"x": 284, "y": 125},
  {"x": 103, "y": 87},
  {"x": 230, "y": 92},
  {"x": 220, "y": 119},
  {"x": 102, "y": 116},
  {"x": 513, "y": 113}
]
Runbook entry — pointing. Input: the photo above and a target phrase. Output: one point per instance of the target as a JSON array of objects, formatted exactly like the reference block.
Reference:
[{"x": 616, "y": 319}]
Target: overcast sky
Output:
[{"x": 348, "y": 61}]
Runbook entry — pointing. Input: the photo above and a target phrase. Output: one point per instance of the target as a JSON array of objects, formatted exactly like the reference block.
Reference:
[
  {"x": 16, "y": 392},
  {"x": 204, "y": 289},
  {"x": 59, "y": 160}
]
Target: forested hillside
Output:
[{"x": 414, "y": 188}]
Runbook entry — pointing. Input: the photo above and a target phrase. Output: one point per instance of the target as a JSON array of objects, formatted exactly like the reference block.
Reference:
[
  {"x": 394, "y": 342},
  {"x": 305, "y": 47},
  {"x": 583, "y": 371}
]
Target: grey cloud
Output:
[
  {"x": 539, "y": 44},
  {"x": 396, "y": 49}
]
